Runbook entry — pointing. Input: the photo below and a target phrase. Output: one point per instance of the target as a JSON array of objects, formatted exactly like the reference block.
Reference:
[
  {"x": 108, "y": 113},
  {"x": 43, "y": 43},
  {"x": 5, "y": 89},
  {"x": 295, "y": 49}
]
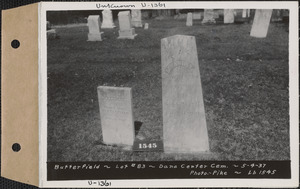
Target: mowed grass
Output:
[{"x": 245, "y": 84}]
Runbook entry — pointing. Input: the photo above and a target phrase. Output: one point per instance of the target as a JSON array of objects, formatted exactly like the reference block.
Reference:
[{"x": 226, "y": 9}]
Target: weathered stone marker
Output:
[
  {"x": 228, "y": 16},
  {"x": 146, "y": 26},
  {"x": 116, "y": 115},
  {"x": 196, "y": 15},
  {"x": 261, "y": 23},
  {"x": 244, "y": 13},
  {"x": 94, "y": 24},
  {"x": 136, "y": 18},
  {"x": 208, "y": 16},
  {"x": 126, "y": 31},
  {"x": 184, "y": 123},
  {"x": 248, "y": 13},
  {"x": 189, "y": 19},
  {"x": 107, "y": 21}
]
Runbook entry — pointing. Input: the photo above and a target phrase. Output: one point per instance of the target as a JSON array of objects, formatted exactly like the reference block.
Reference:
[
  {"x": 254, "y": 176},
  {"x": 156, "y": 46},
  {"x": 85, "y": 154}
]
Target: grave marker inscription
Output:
[
  {"x": 116, "y": 115},
  {"x": 184, "y": 122}
]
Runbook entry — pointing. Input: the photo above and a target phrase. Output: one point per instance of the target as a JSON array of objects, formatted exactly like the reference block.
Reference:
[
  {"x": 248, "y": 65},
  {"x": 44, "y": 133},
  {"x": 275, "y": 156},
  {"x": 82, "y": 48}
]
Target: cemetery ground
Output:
[{"x": 245, "y": 84}]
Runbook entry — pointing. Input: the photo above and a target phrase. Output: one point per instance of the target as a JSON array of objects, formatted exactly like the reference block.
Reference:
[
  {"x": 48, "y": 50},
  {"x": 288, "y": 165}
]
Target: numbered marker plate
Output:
[{"x": 147, "y": 145}]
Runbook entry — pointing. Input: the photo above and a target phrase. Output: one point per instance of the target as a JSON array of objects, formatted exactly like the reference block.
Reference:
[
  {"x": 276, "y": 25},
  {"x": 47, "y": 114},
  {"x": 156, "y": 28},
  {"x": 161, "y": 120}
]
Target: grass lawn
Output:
[{"x": 245, "y": 84}]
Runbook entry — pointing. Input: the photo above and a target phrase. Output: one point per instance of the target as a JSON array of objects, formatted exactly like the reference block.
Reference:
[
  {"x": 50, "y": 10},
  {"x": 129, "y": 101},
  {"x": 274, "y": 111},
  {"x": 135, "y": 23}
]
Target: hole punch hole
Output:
[
  {"x": 15, "y": 44},
  {"x": 16, "y": 147}
]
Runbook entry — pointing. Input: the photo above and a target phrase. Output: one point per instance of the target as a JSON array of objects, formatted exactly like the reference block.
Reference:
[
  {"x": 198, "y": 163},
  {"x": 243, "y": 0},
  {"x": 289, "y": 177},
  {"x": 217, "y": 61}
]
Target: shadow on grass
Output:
[{"x": 137, "y": 127}]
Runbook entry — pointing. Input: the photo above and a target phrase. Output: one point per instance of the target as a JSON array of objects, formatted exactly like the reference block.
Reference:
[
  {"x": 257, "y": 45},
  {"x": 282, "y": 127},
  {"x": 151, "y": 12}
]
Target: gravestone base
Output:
[
  {"x": 208, "y": 21},
  {"x": 196, "y": 149},
  {"x": 124, "y": 147},
  {"x": 171, "y": 151},
  {"x": 95, "y": 37},
  {"x": 137, "y": 24},
  {"x": 108, "y": 25},
  {"x": 127, "y": 34}
]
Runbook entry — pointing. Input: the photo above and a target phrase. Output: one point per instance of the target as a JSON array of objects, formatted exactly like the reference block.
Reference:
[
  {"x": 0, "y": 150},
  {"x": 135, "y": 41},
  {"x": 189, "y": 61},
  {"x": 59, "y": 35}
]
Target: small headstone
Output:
[
  {"x": 261, "y": 23},
  {"x": 126, "y": 31},
  {"x": 184, "y": 122},
  {"x": 189, "y": 19},
  {"x": 248, "y": 12},
  {"x": 244, "y": 13},
  {"x": 136, "y": 18},
  {"x": 196, "y": 15},
  {"x": 208, "y": 16},
  {"x": 94, "y": 24},
  {"x": 228, "y": 16},
  {"x": 116, "y": 115},
  {"x": 107, "y": 21},
  {"x": 146, "y": 26}
]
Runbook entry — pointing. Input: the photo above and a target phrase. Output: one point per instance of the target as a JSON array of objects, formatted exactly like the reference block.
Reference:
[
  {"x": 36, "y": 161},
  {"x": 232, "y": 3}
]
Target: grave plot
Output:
[{"x": 244, "y": 86}]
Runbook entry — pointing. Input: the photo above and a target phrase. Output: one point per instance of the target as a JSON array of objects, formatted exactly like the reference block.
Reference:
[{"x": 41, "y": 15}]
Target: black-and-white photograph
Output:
[
  {"x": 208, "y": 84},
  {"x": 168, "y": 85},
  {"x": 151, "y": 94}
]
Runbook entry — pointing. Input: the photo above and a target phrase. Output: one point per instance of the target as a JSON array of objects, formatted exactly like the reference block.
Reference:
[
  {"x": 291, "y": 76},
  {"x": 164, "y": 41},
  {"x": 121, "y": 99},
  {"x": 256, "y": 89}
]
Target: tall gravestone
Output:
[
  {"x": 136, "y": 18},
  {"x": 126, "y": 31},
  {"x": 228, "y": 16},
  {"x": 261, "y": 23},
  {"x": 208, "y": 16},
  {"x": 189, "y": 19},
  {"x": 184, "y": 123},
  {"x": 107, "y": 21},
  {"x": 116, "y": 115},
  {"x": 94, "y": 24}
]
